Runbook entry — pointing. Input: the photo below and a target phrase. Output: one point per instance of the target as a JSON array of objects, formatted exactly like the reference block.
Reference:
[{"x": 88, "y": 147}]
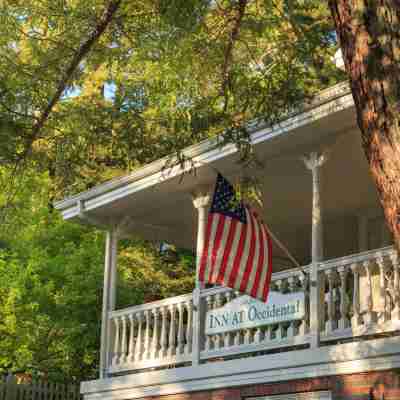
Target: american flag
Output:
[{"x": 238, "y": 250}]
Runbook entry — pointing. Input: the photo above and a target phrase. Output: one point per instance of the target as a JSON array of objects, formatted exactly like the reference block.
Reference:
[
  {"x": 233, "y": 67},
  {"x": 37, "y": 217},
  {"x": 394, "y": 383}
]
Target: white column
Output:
[
  {"x": 314, "y": 162},
  {"x": 201, "y": 200},
  {"x": 109, "y": 296}
]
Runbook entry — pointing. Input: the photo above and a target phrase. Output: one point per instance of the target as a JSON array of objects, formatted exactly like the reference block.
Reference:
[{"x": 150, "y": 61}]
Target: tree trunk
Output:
[{"x": 369, "y": 35}]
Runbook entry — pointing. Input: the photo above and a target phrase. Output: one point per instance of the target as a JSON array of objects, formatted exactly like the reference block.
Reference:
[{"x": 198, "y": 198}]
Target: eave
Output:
[{"x": 205, "y": 153}]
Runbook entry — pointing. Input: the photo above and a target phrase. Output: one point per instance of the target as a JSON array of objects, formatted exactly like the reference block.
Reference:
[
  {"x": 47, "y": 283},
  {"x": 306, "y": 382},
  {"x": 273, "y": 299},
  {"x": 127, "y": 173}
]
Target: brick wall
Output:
[{"x": 383, "y": 385}]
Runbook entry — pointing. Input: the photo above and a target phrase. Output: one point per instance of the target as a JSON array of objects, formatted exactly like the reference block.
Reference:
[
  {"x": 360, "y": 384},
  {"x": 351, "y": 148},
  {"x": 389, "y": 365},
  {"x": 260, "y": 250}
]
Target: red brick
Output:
[{"x": 379, "y": 385}]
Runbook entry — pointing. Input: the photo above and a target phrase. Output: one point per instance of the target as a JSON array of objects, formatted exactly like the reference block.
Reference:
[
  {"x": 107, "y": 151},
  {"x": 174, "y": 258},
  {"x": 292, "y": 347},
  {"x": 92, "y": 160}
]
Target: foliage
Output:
[
  {"x": 145, "y": 90},
  {"x": 51, "y": 281}
]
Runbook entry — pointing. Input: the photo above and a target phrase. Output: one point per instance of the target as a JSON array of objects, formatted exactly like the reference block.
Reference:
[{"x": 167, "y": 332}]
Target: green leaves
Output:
[
  {"x": 51, "y": 282},
  {"x": 168, "y": 62}
]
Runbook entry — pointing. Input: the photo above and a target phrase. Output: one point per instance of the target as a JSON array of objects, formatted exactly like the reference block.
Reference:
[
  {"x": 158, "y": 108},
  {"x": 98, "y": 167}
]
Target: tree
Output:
[
  {"x": 51, "y": 282},
  {"x": 143, "y": 90},
  {"x": 369, "y": 33}
]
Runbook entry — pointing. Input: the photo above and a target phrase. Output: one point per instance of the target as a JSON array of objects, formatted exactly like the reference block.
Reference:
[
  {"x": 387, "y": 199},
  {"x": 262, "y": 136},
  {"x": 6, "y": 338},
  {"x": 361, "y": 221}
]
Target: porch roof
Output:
[{"x": 158, "y": 201}]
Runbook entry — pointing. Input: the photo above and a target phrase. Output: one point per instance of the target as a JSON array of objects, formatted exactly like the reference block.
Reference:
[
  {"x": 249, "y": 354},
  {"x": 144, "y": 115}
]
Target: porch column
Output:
[
  {"x": 109, "y": 297},
  {"x": 201, "y": 200},
  {"x": 314, "y": 163}
]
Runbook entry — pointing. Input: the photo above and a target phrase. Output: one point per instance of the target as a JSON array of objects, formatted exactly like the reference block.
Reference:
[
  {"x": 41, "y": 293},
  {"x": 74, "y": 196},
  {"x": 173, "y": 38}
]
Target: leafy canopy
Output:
[
  {"x": 51, "y": 283},
  {"x": 165, "y": 74}
]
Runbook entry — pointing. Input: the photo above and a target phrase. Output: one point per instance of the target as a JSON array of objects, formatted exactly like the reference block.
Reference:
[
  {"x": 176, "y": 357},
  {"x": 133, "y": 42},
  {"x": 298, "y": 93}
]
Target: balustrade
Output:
[
  {"x": 358, "y": 296},
  {"x": 260, "y": 337},
  {"x": 151, "y": 335}
]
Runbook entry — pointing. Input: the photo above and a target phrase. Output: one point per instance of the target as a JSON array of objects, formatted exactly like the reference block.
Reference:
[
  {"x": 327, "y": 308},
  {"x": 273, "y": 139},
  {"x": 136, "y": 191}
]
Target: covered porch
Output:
[{"x": 318, "y": 199}]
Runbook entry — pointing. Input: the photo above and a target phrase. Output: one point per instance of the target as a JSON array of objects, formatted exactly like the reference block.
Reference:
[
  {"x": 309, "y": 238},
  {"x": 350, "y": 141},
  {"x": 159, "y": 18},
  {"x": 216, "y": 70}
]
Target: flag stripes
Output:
[{"x": 237, "y": 251}]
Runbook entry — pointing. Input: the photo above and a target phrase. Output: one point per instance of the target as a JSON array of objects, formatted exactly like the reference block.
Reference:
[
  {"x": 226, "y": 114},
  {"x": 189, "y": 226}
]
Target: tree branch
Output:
[
  {"x": 66, "y": 77},
  {"x": 233, "y": 36}
]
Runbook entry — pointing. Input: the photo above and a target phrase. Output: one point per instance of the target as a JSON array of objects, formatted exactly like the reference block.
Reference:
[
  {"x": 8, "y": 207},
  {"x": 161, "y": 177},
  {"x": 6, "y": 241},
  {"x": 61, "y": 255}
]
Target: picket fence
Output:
[{"x": 11, "y": 389}]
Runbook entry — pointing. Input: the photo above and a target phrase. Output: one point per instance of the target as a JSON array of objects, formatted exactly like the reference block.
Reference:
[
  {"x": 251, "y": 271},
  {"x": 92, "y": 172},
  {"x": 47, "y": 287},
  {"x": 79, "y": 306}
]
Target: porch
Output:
[
  {"x": 319, "y": 200},
  {"x": 357, "y": 300}
]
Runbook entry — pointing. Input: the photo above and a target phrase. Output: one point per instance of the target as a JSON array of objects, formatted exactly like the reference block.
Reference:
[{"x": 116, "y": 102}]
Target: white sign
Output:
[{"x": 246, "y": 312}]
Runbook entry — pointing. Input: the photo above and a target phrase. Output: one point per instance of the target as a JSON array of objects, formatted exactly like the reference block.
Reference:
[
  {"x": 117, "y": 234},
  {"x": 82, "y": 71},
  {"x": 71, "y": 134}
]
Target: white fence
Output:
[
  {"x": 11, "y": 389},
  {"x": 356, "y": 296}
]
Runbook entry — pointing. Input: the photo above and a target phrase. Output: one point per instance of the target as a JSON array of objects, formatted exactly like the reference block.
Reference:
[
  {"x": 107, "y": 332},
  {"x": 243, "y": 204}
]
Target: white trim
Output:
[
  {"x": 320, "y": 395},
  {"x": 330, "y": 101},
  {"x": 152, "y": 363},
  {"x": 372, "y": 355},
  {"x": 154, "y": 304},
  {"x": 250, "y": 348},
  {"x": 356, "y": 258}
]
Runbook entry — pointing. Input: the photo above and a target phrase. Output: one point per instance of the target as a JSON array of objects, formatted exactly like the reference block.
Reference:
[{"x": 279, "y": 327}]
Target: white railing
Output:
[
  {"x": 283, "y": 334},
  {"x": 358, "y": 296},
  {"x": 152, "y": 335}
]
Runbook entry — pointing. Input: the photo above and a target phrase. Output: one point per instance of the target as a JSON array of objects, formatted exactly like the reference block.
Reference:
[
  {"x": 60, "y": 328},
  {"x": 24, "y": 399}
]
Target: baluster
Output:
[
  {"x": 172, "y": 332},
  {"x": 218, "y": 338},
  {"x": 189, "y": 327},
  {"x": 139, "y": 344},
  {"x": 179, "y": 348},
  {"x": 115, "y": 358},
  {"x": 329, "y": 301},
  {"x": 356, "y": 318},
  {"x": 344, "y": 320},
  {"x": 266, "y": 336},
  {"x": 396, "y": 288},
  {"x": 146, "y": 350},
  {"x": 322, "y": 305},
  {"x": 163, "y": 338},
  {"x": 131, "y": 350},
  {"x": 303, "y": 328},
  {"x": 279, "y": 284},
  {"x": 369, "y": 315},
  {"x": 269, "y": 333},
  {"x": 383, "y": 316},
  {"x": 330, "y": 323},
  {"x": 236, "y": 335},
  {"x": 277, "y": 331},
  {"x": 227, "y": 335},
  {"x": 291, "y": 325},
  {"x": 247, "y": 336},
  {"x": 123, "y": 341},
  {"x": 257, "y": 336},
  {"x": 208, "y": 341},
  {"x": 154, "y": 342}
]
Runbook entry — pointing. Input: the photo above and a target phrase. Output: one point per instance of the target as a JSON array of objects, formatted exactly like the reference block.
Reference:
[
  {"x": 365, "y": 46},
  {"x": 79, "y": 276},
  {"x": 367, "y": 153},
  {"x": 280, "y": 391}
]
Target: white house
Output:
[{"x": 321, "y": 202}]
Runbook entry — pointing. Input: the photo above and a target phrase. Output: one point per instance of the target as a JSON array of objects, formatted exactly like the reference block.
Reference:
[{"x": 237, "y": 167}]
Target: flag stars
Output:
[{"x": 225, "y": 202}]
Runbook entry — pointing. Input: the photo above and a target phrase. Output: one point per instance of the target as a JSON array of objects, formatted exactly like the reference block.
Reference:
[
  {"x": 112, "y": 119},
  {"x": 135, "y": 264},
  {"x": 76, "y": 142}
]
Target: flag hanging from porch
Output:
[{"x": 238, "y": 249}]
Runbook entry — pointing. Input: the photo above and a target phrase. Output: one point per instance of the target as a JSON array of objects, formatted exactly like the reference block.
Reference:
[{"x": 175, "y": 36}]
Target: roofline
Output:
[{"x": 208, "y": 151}]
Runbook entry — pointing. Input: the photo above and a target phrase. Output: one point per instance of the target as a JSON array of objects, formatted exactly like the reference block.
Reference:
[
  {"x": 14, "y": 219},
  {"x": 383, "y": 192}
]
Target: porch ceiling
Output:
[{"x": 159, "y": 204}]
